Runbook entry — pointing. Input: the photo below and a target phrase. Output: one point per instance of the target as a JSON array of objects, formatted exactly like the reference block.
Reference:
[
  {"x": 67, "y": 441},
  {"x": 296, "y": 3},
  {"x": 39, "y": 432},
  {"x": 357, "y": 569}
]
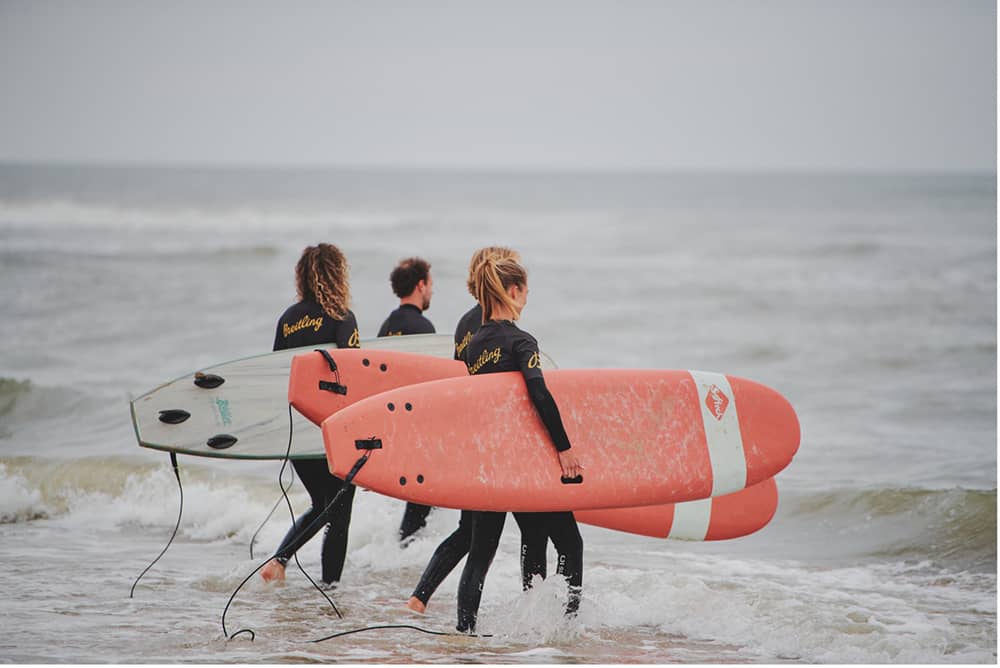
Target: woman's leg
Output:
[
  {"x": 335, "y": 540},
  {"x": 566, "y": 537},
  {"x": 534, "y": 541},
  {"x": 486, "y": 530},
  {"x": 447, "y": 555},
  {"x": 316, "y": 479},
  {"x": 414, "y": 519}
]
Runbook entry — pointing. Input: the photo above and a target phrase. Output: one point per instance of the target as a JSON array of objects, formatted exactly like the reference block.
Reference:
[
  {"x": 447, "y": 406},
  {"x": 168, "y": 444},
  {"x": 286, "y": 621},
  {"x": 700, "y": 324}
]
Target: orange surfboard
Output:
[
  {"x": 644, "y": 437},
  {"x": 721, "y": 518},
  {"x": 362, "y": 373},
  {"x": 322, "y": 382}
]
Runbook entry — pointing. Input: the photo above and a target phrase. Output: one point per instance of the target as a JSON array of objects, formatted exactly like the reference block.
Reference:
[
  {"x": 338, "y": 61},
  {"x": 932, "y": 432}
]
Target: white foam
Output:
[{"x": 18, "y": 499}]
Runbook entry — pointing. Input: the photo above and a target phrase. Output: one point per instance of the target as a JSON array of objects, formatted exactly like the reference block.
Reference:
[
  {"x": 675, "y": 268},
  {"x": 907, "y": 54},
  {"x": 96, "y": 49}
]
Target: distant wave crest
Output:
[
  {"x": 10, "y": 390},
  {"x": 954, "y": 526}
]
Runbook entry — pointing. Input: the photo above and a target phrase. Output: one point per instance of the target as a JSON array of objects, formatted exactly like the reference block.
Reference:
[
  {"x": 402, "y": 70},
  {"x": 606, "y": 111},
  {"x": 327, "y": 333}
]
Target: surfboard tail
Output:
[{"x": 724, "y": 517}]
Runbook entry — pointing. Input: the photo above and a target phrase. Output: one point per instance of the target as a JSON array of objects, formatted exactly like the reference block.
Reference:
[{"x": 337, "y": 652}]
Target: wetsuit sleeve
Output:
[
  {"x": 347, "y": 332},
  {"x": 526, "y": 353},
  {"x": 545, "y": 403}
]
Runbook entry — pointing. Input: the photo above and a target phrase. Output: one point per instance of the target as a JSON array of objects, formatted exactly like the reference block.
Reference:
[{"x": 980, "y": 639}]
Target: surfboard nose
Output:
[{"x": 769, "y": 427}]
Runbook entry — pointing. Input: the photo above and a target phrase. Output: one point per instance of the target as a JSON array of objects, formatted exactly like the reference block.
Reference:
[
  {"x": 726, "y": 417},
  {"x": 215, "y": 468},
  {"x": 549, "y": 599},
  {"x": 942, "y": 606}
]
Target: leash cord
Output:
[{"x": 180, "y": 513}]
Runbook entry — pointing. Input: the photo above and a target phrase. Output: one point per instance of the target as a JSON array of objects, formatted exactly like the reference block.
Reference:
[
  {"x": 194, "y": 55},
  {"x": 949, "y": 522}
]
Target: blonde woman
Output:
[
  {"x": 501, "y": 288},
  {"x": 320, "y": 317},
  {"x": 453, "y": 549}
]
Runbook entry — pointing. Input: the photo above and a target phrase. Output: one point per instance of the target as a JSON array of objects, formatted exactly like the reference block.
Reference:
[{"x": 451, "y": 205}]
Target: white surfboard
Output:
[{"x": 246, "y": 415}]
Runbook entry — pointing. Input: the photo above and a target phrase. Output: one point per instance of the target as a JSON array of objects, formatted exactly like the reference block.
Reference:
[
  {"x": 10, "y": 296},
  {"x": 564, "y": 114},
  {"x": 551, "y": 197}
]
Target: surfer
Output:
[
  {"x": 320, "y": 317},
  {"x": 501, "y": 286},
  {"x": 453, "y": 549},
  {"x": 412, "y": 282}
]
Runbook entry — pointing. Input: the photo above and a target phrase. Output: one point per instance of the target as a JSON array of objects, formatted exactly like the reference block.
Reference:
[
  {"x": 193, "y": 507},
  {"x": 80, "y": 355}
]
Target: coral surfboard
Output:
[
  {"x": 720, "y": 518},
  {"x": 324, "y": 382},
  {"x": 645, "y": 437}
]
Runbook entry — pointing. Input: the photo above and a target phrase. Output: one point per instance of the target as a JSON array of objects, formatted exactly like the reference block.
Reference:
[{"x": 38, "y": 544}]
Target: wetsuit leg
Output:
[
  {"x": 565, "y": 534},
  {"x": 534, "y": 540},
  {"x": 316, "y": 479},
  {"x": 414, "y": 519},
  {"x": 486, "y": 530},
  {"x": 335, "y": 540},
  {"x": 447, "y": 555}
]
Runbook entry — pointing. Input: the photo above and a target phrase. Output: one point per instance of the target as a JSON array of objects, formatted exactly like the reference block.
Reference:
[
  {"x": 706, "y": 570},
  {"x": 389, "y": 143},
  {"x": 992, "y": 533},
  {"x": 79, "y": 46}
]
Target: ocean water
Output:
[{"x": 869, "y": 300}]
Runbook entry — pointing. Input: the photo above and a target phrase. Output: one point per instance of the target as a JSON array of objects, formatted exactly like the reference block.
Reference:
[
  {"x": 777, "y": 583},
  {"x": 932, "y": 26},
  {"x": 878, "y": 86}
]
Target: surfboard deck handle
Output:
[
  {"x": 571, "y": 481},
  {"x": 368, "y": 443},
  {"x": 336, "y": 388},
  {"x": 326, "y": 385},
  {"x": 208, "y": 381}
]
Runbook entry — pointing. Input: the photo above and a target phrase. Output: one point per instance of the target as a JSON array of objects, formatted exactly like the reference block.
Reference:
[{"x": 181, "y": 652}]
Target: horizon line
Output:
[{"x": 488, "y": 169}]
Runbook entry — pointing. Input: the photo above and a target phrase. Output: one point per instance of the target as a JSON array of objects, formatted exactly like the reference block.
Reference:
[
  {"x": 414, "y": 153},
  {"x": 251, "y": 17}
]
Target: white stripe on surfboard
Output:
[
  {"x": 722, "y": 431},
  {"x": 691, "y": 520}
]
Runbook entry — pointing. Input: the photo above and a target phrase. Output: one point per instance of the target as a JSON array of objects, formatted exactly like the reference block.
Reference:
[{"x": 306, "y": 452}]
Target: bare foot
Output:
[
  {"x": 416, "y": 605},
  {"x": 273, "y": 571}
]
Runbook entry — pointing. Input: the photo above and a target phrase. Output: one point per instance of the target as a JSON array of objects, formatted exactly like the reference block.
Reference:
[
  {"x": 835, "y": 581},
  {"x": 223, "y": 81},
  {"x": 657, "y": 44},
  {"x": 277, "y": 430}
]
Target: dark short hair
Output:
[{"x": 407, "y": 274}]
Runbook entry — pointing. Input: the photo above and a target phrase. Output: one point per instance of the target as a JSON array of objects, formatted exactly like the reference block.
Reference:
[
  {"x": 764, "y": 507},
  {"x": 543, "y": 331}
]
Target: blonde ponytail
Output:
[
  {"x": 483, "y": 253},
  {"x": 492, "y": 278}
]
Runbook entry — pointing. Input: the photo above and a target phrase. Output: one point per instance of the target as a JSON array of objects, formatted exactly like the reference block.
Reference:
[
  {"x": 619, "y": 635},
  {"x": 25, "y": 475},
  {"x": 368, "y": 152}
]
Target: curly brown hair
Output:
[
  {"x": 321, "y": 275},
  {"x": 407, "y": 274}
]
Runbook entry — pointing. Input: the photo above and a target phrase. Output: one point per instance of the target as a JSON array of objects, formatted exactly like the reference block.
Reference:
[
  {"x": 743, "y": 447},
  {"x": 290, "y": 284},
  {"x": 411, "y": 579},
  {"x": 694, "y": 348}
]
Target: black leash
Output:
[
  {"x": 401, "y": 626},
  {"x": 180, "y": 512},
  {"x": 277, "y": 503},
  {"x": 316, "y": 524}
]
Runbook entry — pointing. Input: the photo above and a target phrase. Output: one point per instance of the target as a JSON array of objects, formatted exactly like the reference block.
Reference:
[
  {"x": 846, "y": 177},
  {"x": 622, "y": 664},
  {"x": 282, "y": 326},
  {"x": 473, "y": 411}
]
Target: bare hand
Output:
[{"x": 571, "y": 467}]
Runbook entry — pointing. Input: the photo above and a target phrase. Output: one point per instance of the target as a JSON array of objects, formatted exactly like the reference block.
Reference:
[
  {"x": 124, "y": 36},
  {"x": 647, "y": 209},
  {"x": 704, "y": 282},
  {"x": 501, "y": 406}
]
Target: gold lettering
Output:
[
  {"x": 486, "y": 356},
  {"x": 460, "y": 347},
  {"x": 304, "y": 323},
  {"x": 355, "y": 340},
  {"x": 534, "y": 362}
]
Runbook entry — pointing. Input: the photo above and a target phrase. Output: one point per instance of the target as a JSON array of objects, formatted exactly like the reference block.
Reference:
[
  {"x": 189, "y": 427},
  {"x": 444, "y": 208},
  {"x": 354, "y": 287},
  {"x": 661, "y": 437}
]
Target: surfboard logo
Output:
[
  {"x": 717, "y": 402},
  {"x": 222, "y": 405}
]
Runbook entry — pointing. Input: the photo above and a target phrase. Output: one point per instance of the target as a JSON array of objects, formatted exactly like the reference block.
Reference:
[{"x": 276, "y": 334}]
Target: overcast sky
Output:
[{"x": 699, "y": 84}]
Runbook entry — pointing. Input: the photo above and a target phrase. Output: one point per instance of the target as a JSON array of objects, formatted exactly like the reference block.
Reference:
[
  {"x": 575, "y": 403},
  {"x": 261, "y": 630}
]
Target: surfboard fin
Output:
[
  {"x": 221, "y": 441},
  {"x": 174, "y": 415},
  {"x": 208, "y": 381}
]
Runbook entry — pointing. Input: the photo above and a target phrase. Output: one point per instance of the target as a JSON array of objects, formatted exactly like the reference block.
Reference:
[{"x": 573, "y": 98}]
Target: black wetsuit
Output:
[
  {"x": 453, "y": 549},
  {"x": 518, "y": 351},
  {"x": 468, "y": 325},
  {"x": 405, "y": 320},
  {"x": 305, "y": 324}
]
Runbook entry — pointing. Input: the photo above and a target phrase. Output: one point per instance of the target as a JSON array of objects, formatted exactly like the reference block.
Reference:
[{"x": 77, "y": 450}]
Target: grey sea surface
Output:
[{"x": 868, "y": 300}]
